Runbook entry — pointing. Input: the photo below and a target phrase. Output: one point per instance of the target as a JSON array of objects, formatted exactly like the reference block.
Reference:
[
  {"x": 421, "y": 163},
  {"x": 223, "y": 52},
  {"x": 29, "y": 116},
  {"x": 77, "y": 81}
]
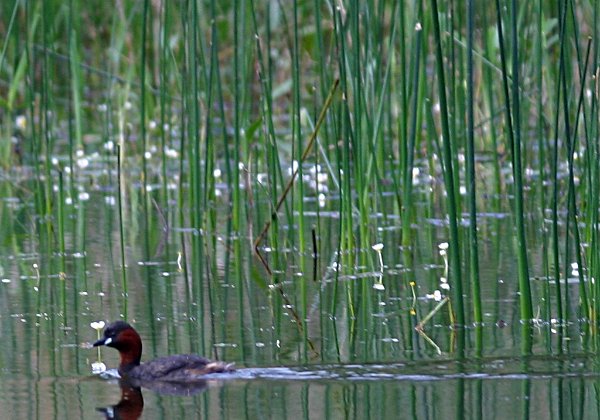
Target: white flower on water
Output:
[
  {"x": 98, "y": 368},
  {"x": 436, "y": 295}
]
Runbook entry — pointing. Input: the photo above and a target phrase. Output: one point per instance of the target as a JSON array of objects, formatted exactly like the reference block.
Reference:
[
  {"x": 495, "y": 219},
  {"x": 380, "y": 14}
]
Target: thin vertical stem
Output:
[
  {"x": 456, "y": 280},
  {"x": 470, "y": 160}
]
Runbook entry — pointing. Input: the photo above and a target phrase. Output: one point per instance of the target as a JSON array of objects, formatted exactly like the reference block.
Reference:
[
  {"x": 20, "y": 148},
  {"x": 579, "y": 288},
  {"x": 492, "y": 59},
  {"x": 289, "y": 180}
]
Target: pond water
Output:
[{"x": 354, "y": 357}]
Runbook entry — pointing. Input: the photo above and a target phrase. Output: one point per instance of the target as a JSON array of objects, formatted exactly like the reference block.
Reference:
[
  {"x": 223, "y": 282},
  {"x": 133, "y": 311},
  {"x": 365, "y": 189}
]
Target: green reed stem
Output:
[
  {"x": 164, "y": 122},
  {"x": 572, "y": 212},
  {"x": 407, "y": 184},
  {"x": 470, "y": 178},
  {"x": 237, "y": 211},
  {"x": 449, "y": 176},
  {"x": 75, "y": 68},
  {"x": 61, "y": 246},
  {"x": 143, "y": 137},
  {"x": 542, "y": 145},
  {"x": 516, "y": 148},
  {"x": 195, "y": 131},
  {"x": 561, "y": 311},
  {"x": 124, "y": 288},
  {"x": 568, "y": 133},
  {"x": 514, "y": 133},
  {"x": 8, "y": 32},
  {"x": 45, "y": 123},
  {"x": 299, "y": 202}
]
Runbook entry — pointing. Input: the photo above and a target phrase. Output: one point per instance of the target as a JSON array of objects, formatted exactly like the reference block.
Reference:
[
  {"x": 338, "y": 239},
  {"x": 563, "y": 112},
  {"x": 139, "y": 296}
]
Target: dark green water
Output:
[{"x": 367, "y": 362}]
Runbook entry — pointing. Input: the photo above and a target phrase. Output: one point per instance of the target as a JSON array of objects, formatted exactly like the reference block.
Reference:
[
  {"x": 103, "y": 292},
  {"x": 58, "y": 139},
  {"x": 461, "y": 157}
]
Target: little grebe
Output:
[{"x": 180, "y": 367}]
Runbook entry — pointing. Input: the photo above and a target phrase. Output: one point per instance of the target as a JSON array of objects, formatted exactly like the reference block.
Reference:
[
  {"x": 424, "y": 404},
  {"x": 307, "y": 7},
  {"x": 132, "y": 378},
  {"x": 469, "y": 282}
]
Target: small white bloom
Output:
[
  {"x": 292, "y": 169},
  {"x": 377, "y": 247},
  {"x": 322, "y": 200},
  {"x": 21, "y": 122},
  {"x": 98, "y": 368},
  {"x": 83, "y": 163},
  {"x": 97, "y": 325}
]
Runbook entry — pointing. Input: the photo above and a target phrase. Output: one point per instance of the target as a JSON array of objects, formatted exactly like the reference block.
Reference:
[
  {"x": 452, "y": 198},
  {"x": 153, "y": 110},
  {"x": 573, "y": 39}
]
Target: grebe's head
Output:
[{"x": 121, "y": 336}]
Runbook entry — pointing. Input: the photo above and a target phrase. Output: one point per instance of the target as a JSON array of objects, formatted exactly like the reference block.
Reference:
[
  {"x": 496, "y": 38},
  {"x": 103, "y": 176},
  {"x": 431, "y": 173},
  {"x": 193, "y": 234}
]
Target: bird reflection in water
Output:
[{"x": 131, "y": 404}]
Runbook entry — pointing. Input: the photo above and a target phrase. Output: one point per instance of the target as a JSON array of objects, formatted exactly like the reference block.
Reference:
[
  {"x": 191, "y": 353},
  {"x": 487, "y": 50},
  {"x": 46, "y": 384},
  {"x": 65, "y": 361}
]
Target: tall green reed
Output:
[
  {"x": 513, "y": 122},
  {"x": 449, "y": 175},
  {"x": 470, "y": 177}
]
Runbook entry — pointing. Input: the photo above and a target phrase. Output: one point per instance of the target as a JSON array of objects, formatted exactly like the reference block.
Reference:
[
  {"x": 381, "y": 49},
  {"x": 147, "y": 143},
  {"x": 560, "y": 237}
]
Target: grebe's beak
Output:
[{"x": 103, "y": 342}]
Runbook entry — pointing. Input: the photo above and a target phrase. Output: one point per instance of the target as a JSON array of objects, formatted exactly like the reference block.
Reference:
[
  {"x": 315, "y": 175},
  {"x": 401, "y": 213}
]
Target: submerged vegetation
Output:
[{"x": 324, "y": 133}]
